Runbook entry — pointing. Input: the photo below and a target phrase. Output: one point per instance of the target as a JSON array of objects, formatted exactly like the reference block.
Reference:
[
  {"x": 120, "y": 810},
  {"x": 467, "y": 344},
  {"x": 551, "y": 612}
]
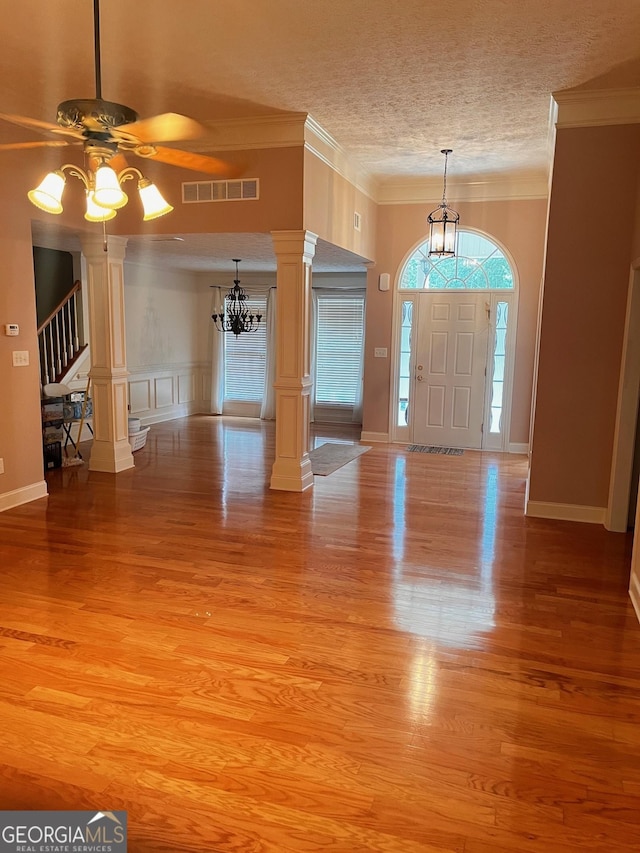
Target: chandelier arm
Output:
[
  {"x": 129, "y": 174},
  {"x": 77, "y": 172}
]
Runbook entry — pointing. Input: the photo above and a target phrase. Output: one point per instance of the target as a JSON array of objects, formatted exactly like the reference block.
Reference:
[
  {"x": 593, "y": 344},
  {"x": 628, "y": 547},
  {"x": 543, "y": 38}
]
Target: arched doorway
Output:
[{"x": 454, "y": 333}]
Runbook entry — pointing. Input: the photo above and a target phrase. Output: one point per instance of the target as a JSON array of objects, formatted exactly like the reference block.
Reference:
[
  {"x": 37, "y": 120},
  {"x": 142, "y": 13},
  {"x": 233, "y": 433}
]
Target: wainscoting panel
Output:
[
  {"x": 168, "y": 391},
  {"x": 186, "y": 388},
  {"x": 139, "y": 396},
  {"x": 163, "y": 388},
  {"x": 205, "y": 387}
]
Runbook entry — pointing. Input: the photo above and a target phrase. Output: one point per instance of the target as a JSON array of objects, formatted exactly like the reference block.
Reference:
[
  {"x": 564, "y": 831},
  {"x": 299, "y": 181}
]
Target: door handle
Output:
[{"x": 419, "y": 378}]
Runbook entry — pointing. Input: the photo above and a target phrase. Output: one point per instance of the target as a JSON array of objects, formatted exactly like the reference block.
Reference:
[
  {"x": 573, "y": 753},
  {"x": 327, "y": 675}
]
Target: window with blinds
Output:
[
  {"x": 339, "y": 338},
  {"x": 245, "y": 357}
]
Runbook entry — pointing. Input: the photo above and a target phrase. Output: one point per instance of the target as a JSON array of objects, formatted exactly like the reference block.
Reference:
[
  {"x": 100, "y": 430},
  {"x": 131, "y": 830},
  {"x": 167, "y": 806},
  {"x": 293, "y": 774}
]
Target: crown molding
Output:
[
  {"x": 284, "y": 130},
  {"x": 490, "y": 188},
  {"x": 320, "y": 143},
  {"x": 591, "y": 108},
  {"x": 290, "y": 130}
]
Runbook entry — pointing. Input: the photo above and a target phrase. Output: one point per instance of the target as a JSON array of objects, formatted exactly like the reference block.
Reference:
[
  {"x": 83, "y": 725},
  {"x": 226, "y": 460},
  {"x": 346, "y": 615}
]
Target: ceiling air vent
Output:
[
  {"x": 357, "y": 221},
  {"x": 197, "y": 192}
]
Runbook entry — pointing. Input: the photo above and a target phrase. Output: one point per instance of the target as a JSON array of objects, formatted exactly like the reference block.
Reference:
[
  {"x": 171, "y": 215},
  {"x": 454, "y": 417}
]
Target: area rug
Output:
[
  {"x": 428, "y": 448},
  {"x": 330, "y": 456}
]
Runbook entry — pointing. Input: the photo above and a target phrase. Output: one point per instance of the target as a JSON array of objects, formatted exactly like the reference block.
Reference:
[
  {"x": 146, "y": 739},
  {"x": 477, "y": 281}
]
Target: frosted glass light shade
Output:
[
  {"x": 48, "y": 194},
  {"x": 154, "y": 205},
  {"x": 95, "y": 213},
  {"x": 108, "y": 192}
]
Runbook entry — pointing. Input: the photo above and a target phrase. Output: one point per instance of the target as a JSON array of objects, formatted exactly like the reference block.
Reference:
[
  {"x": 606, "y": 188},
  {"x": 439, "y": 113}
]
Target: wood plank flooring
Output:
[{"x": 396, "y": 660}]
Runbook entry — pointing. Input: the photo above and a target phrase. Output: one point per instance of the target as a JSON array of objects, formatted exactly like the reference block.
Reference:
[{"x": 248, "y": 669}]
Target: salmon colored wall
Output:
[
  {"x": 590, "y": 247},
  {"x": 517, "y": 225},
  {"x": 279, "y": 207},
  {"x": 20, "y": 435},
  {"x": 330, "y": 202}
]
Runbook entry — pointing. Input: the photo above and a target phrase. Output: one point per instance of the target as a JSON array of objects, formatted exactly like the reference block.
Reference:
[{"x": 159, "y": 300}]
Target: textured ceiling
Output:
[{"x": 393, "y": 81}]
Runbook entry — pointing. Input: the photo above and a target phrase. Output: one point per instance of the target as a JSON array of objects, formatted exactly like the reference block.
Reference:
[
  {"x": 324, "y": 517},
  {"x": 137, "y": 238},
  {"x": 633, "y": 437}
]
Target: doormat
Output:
[
  {"x": 330, "y": 456},
  {"x": 428, "y": 448}
]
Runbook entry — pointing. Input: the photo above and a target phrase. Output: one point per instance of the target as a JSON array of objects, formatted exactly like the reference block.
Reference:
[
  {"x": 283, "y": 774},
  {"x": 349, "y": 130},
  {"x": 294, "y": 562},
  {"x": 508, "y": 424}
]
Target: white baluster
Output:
[
  {"x": 63, "y": 350},
  {"x": 52, "y": 363},
  {"x": 59, "y": 360},
  {"x": 70, "y": 349}
]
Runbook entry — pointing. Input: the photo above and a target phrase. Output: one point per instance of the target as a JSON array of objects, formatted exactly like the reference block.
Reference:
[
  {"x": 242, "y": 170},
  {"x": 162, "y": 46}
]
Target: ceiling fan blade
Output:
[
  {"x": 40, "y": 126},
  {"x": 167, "y": 127},
  {"x": 16, "y": 146},
  {"x": 189, "y": 160}
]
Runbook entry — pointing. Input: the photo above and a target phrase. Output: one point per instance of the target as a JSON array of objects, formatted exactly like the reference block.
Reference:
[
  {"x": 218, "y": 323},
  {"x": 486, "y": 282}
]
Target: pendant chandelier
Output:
[
  {"x": 443, "y": 222},
  {"x": 234, "y": 315}
]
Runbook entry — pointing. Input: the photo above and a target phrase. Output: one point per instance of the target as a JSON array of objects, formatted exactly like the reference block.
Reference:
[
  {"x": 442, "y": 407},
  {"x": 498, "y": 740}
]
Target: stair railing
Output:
[{"x": 59, "y": 338}]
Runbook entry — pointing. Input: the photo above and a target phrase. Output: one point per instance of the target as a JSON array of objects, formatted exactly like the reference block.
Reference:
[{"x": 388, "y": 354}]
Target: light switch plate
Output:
[
  {"x": 20, "y": 358},
  {"x": 380, "y": 352}
]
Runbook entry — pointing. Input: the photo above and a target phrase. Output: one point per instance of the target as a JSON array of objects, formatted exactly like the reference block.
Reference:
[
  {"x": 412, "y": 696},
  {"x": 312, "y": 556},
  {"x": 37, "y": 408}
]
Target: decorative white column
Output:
[
  {"x": 111, "y": 450},
  {"x": 292, "y": 467}
]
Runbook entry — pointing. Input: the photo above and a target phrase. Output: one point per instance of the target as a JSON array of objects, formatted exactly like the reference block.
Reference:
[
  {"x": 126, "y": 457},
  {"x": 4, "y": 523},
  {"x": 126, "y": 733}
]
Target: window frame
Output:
[
  {"x": 237, "y": 405},
  {"x": 336, "y": 411}
]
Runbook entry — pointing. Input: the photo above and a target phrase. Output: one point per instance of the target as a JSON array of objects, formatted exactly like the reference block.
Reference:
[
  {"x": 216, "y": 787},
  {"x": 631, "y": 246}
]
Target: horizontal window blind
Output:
[
  {"x": 245, "y": 357},
  {"x": 339, "y": 337}
]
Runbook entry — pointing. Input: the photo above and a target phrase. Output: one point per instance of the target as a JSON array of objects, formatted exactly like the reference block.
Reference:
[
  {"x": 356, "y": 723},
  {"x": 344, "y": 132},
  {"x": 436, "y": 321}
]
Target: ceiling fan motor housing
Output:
[{"x": 94, "y": 114}]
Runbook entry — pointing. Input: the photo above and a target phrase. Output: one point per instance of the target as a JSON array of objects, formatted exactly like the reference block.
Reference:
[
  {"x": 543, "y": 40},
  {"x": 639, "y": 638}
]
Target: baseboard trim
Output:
[
  {"x": 17, "y": 497},
  {"x": 518, "y": 447},
  {"x": 634, "y": 593},
  {"x": 374, "y": 436},
  {"x": 183, "y": 410},
  {"x": 566, "y": 512}
]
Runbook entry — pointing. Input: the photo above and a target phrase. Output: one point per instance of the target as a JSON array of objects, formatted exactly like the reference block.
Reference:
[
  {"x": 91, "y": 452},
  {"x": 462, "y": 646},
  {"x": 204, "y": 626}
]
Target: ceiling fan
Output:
[{"x": 106, "y": 131}]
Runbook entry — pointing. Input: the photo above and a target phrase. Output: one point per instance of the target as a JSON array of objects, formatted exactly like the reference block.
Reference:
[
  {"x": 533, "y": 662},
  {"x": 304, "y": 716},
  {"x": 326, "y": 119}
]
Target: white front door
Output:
[{"x": 450, "y": 367}]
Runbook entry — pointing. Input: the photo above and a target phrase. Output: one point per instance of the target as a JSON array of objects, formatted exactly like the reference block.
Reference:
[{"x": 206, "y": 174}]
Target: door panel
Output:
[{"x": 451, "y": 357}]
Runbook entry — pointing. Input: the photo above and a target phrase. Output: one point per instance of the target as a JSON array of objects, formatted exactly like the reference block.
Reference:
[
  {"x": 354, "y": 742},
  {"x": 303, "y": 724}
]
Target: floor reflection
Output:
[{"x": 452, "y": 605}]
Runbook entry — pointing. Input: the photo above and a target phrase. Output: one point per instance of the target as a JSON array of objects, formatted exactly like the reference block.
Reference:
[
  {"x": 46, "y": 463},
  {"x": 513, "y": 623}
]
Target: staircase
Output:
[{"x": 60, "y": 340}]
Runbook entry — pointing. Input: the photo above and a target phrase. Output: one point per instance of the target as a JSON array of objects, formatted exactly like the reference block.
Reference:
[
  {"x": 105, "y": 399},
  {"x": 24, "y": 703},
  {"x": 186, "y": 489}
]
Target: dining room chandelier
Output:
[
  {"x": 103, "y": 191},
  {"x": 234, "y": 315},
  {"x": 443, "y": 222}
]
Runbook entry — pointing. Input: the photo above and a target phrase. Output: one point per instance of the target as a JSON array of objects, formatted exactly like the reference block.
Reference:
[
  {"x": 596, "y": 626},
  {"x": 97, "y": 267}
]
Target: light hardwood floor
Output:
[{"x": 396, "y": 660}]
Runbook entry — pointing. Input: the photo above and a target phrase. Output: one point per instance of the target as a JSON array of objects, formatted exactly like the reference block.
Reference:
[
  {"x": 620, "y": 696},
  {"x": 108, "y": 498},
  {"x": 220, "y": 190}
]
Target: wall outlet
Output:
[
  {"x": 20, "y": 358},
  {"x": 380, "y": 352},
  {"x": 1, "y": 466}
]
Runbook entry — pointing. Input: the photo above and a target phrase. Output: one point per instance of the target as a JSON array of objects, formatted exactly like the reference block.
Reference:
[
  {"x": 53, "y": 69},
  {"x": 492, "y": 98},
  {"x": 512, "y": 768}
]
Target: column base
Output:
[
  {"x": 289, "y": 475},
  {"x": 111, "y": 458}
]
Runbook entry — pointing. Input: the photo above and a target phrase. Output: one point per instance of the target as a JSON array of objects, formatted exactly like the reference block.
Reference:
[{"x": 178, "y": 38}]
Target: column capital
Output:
[
  {"x": 93, "y": 246},
  {"x": 302, "y": 244}
]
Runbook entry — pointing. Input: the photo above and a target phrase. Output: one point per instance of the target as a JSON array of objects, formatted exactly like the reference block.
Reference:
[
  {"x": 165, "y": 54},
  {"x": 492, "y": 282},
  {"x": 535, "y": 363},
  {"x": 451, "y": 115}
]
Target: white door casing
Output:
[{"x": 449, "y": 368}]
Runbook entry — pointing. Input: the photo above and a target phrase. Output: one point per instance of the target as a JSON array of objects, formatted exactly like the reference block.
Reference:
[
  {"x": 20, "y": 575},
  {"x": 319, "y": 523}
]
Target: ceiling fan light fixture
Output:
[
  {"x": 48, "y": 194},
  {"x": 108, "y": 192},
  {"x": 95, "y": 213},
  {"x": 153, "y": 203}
]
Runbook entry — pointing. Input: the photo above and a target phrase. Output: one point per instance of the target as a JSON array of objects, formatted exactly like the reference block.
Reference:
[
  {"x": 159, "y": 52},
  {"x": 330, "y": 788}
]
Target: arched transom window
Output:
[{"x": 479, "y": 264}]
